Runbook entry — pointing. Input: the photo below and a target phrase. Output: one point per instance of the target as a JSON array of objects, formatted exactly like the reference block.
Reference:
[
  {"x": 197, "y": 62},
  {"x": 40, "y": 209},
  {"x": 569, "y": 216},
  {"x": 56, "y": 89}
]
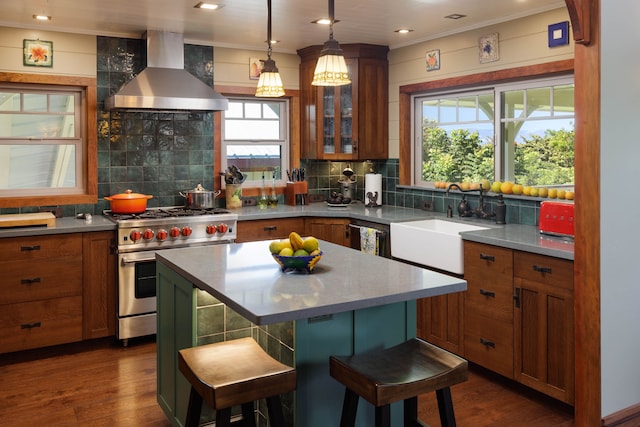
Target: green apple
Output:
[{"x": 495, "y": 187}]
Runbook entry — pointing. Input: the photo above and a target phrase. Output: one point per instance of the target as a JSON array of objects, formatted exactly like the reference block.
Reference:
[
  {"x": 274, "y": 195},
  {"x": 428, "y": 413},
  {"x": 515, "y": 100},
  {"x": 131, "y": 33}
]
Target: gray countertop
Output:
[
  {"x": 247, "y": 278},
  {"x": 513, "y": 236},
  {"x": 62, "y": 226}
]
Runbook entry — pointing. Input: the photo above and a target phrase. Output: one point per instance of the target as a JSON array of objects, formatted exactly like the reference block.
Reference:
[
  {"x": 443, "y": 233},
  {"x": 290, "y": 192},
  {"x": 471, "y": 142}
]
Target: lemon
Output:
[
  {"x": 301, "y": 252},
  {"x": 275, "y": 247},
  {"x": 286, "y": 252},
  {"x": 553, "y": 193},
  {"x": 310, "y": 244}
]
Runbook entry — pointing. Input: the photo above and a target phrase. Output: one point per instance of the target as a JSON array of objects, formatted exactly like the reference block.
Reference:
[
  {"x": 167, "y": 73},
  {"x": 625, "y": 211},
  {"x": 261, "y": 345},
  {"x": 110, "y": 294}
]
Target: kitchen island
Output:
[{"x": 351, "y": 302}]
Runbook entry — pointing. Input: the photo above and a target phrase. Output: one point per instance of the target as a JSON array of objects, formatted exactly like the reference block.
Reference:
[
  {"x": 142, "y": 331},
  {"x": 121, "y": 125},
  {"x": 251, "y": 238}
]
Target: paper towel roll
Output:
[{"x": 373, "y": 184}]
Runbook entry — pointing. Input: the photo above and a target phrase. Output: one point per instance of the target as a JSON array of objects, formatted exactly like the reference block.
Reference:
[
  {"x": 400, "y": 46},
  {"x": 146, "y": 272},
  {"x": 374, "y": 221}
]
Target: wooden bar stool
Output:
[
  {"x": 234, "y": 373},
  {"x": 399, "y": 373}
]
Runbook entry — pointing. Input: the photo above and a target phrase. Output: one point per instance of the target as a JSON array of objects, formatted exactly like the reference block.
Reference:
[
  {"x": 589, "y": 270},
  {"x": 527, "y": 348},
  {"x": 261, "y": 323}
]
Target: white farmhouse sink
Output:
[{"x": 433, "y": 243}]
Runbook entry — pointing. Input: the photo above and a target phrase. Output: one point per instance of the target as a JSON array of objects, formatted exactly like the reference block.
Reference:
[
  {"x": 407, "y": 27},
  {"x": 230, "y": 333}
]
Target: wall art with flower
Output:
[
  {"x": 38, "y": 53},
  {"x": 433, "y": 60}
]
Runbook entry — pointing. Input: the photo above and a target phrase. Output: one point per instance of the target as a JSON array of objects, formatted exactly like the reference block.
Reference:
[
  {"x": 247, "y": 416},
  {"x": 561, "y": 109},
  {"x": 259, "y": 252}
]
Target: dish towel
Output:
[{"x": 369, "y": 240}]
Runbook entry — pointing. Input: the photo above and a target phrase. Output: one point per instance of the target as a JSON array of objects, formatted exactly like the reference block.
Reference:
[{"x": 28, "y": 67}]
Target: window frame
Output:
[
  {"x": 406, "y": 92},
  {"x": 284, "y": 142},
  {"x": 88, "y": 131}
]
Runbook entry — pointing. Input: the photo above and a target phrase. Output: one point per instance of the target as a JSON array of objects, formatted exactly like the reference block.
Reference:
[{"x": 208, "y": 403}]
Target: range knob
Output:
[
  {"x": 222, "y": 228},
  {"x": 211, "y": 229},
  {"x": 186, "y": 231},
  {"x": 174, "y": 232},
  {"x": 162, "y": 235},
  {"x": 147, "y": 234},
  {"x": 135, "y": 236}
]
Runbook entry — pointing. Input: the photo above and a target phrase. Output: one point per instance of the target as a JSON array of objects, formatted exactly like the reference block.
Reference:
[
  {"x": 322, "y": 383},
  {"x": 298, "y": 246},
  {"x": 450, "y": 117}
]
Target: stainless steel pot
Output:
[{"x": 199, "y": 198}]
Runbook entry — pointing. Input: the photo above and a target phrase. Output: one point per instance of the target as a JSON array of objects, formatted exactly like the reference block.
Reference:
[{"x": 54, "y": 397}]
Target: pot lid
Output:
[{"x": 129, "y": 195}]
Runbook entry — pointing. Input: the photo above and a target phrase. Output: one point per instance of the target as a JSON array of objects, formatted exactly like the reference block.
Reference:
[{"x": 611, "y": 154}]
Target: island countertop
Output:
[{"x": 246, "y": 278}]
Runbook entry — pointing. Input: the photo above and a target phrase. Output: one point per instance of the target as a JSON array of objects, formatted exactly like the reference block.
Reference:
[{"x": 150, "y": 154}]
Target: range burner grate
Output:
[{"x": 170, "y": 212}]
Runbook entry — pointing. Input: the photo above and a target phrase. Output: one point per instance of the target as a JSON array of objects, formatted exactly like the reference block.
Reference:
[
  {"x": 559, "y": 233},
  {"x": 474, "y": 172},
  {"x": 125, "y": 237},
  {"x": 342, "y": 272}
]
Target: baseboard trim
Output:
[{"x": 627, "y": 417}]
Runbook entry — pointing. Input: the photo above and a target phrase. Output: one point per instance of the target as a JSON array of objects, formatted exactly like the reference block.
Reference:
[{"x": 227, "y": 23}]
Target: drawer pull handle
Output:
[
  {"x": 270, "y": 228},
  {"x": 487, "y": 293},
  {"x": 30, "y": 281},
  {"x": 487, "y": 343},
  {"x": 516, "y": 297},
  {"x": 30, "y": 325},
  {"x": 30, "y": 248},
  {"x": 542, "y": 269},
  {"x": 487, "y": 257}
]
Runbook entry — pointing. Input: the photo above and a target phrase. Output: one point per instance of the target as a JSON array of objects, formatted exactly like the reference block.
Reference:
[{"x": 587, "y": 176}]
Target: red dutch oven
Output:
[{"x": 128, "y": 202}]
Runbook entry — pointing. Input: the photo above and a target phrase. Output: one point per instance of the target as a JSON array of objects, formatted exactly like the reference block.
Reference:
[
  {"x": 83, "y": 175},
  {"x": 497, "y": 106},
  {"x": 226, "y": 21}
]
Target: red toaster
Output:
[{"x": 556, "y": 218}]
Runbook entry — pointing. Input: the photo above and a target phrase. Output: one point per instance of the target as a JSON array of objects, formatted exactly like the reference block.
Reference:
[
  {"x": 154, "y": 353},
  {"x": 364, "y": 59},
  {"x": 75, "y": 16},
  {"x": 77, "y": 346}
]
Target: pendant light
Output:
[
  {"x": 270, "y": 83},
  {"x": 331, "y": 68}
]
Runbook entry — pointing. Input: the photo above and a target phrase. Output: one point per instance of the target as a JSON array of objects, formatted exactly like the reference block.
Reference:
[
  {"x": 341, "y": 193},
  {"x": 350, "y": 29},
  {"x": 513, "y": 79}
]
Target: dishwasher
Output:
[{"x": 382, "y": 235}]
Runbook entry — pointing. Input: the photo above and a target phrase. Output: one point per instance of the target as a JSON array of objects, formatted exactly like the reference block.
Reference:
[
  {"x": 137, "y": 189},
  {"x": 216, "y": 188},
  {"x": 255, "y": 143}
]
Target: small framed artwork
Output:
[
  {"x": 433, "y": 60},
  {"x": 559, "y": 34},
  {"x": 255, "y": 67},
  {"x": 488, "y": 48},
  {"x": 38, "y": 53}
]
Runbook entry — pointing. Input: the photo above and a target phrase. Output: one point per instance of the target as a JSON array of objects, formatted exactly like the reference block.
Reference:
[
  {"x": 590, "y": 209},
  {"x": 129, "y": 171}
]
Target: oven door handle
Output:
[{"x": 126, "y": 260}]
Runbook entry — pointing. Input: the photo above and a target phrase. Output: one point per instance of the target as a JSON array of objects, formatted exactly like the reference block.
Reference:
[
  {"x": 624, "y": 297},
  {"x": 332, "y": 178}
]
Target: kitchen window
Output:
[
  {"x": 256, "y": 138},
  {"x": 521, "y": 132},
  {"x": 45, "y": 145}
]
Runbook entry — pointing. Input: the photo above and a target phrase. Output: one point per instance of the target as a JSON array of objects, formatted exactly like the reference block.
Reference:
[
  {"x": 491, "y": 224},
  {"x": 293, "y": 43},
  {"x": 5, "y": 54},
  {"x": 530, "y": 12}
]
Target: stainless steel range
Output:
[{"x": 140, "y": 236}]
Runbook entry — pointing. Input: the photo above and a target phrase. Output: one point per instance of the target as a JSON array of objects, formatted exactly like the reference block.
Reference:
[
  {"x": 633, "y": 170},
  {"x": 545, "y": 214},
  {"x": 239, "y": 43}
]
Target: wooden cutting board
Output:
[{"x": 27, "y": 219}]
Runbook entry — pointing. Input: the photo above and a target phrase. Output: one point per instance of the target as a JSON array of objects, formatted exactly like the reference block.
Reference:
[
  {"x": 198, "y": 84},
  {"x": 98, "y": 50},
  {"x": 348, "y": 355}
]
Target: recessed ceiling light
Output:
[
  {"x": 403, "y": 30},
  {"x": 455, "y": 16},
  {"x": 42, "y": 17},
  {"x": 207, "y": 6},
  {"x": 325, "y": 21}
]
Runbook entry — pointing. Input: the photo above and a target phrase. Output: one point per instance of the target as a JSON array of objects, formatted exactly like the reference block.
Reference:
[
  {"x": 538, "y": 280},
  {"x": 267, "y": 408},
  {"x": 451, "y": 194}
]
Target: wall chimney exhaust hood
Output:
[{"x": 165, "y": 84}]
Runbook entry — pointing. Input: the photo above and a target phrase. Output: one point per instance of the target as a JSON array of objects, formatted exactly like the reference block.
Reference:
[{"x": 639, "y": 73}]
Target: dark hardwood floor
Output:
[{"x": 101, "y": 383}]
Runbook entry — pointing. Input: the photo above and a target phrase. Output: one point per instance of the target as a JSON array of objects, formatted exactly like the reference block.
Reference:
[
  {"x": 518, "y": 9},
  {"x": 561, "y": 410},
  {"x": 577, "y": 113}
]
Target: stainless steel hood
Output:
[{"x": 165, "y": 84}]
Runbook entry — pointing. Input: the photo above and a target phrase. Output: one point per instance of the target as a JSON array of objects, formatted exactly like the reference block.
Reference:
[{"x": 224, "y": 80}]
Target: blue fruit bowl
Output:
[{"x": 306, "y": 263}]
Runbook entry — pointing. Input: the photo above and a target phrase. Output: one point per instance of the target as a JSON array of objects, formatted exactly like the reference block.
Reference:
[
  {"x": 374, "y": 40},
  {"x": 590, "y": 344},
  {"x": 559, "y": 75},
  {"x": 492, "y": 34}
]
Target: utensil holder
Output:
[
  {"x": 297, "y": 193},
  {"x": 233, "y": 195}
]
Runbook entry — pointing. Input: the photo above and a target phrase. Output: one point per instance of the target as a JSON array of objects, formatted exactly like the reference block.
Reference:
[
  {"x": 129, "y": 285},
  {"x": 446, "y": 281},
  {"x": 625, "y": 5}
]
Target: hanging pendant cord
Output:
[
  {"x": 269, "y": 28},
  {"x": 330, "y": 19}
]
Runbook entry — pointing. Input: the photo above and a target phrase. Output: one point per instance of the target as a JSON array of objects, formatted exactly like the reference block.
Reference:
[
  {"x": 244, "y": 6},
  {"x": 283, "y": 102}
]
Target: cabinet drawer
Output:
[
  {"x": 39, "y": 247},
  {"x": 493, "y": 298},
  {"x": 489, "y": 343},
  {"x": 28, "y": 281},
  {"x": 487, "y": 263},
  {"x": 268, "y": 229},
  {"x": 40, "y": 323},
  {"x": 544, "y": 270}
]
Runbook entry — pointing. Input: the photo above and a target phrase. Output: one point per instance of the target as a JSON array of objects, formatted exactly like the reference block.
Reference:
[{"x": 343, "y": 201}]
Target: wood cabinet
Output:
[
  {"x": 268, "y": 229},
  {"x": 347, "y": 122},
  {"x": 544, "y": 344},
  {"x": 99, "y": 288},
  {"x": 440, "y": 321},
  {"x": 41, "y": 291},
  {"x": 518, "y": 317},
  {"x": 334, "y": 230},
  {"x": 488, "y": 307}
]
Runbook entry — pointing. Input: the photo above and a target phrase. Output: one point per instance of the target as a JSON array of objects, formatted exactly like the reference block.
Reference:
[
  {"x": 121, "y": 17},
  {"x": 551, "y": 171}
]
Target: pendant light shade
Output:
[
  {"x": 331, "y": 68},
  {"x": 270, "y": 83}
]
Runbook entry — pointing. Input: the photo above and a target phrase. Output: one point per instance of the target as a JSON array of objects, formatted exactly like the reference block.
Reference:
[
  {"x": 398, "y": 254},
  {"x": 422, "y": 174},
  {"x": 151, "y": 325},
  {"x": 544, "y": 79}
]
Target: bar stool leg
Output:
[
  {"x": 274, "y": 408},
  {"x": 383, "y": 416},
  {"x": 248, "y": 414},
  {"x": 349, "y": 408},
  {"x": 445, "y": 407},
  {"x": 411, "y": 412},
  {"x": 223, "y": 417},
  {"x": 193, "y": 409}
]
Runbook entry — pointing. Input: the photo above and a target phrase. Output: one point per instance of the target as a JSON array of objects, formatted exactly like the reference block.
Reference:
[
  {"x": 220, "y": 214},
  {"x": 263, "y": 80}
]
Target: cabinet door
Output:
[
  {"x": 334, "y": 230},
  {"x": 544, "y": 344},
  {"x": 488, "y": 307},
  {"x": 99, "y": 284},
  {"x": 440, "y": 321},
  {"x": 268, "y": 229}
]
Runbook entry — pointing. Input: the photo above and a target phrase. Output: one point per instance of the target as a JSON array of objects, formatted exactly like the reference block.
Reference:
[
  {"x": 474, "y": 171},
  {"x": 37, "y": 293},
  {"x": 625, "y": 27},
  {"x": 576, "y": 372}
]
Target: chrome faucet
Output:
[{"x": 464, "y": 210}]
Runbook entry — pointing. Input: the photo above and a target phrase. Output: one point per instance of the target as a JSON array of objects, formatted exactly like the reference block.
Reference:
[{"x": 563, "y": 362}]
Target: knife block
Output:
[{"x": 297, "y": 193}]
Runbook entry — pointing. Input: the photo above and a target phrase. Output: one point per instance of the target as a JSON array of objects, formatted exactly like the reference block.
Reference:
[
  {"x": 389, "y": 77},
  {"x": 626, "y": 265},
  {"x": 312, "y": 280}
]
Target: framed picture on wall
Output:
[
  {"x": 38, "y": 53},
  {"x": 255, "y": 67},
  {"x": 489, "y": 50},
  {"x": 433, "y": 60},
  {"x": 559, "y": 34}
]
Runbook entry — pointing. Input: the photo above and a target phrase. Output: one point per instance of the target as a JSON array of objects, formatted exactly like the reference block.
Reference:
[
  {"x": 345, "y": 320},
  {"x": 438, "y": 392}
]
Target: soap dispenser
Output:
[{"x": 501, "y": 211}]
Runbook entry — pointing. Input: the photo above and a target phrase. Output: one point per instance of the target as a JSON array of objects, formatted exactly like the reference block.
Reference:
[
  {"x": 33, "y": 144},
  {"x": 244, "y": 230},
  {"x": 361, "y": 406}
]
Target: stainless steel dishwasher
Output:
[{"x": 383, "y": 236}]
